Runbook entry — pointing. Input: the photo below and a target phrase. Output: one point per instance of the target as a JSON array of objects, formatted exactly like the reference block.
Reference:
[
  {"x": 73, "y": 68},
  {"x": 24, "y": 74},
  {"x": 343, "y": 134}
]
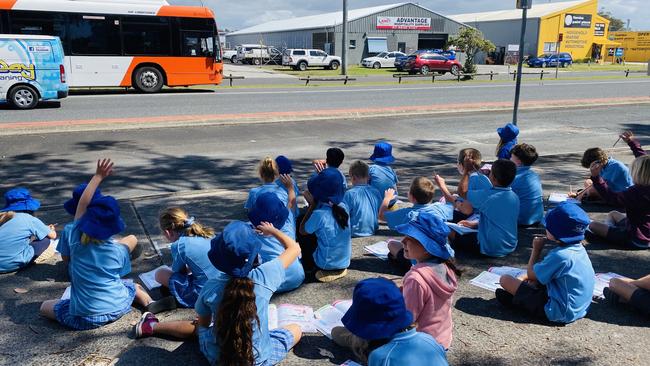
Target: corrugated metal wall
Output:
[
  {"x": 292, "y": 39},
  {"x": 505, "y": 32}
]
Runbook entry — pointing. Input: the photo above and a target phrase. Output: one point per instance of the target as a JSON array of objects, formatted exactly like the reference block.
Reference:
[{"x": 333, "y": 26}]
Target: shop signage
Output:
[
  {"x": 599, "y": 29},
  {"x": 577, "y": 21},
  {"x": 404, "y": 23}
]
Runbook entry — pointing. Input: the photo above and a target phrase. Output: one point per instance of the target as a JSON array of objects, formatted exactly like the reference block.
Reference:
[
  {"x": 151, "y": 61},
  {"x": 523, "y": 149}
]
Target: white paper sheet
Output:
[
  {"x": 505, "y": 270},
  {"x": 379, "y": 249},
  {"x": 487, "y": 280},
  {"x": 462, "y": 230},
  {"x": 149, "y": 278},
  {"x": 602, "y": 281}
]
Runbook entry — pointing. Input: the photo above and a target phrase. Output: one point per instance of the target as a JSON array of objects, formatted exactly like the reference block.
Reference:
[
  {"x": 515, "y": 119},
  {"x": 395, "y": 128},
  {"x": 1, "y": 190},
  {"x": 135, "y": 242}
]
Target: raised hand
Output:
[
  {"x": 627, "y": 136},
  {"x": 286, "y": 180},
  {"x": 595, "y": 168},
  {"x": 104, "y": 168},
  {"x": 266, "y": 228}
]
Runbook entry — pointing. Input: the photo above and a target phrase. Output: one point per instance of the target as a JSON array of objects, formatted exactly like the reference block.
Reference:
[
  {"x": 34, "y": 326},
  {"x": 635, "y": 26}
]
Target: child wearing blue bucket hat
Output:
[
  {"x": 560, "y": 287},
  {"x": 232, "y": 325},
  {"x": 507, "y": 140},
  {"x": 379, "y": 315},
  {"x": 97, "y": 262},
  {"x": 325, "y": 235},
  {"x": 70, "y": 207},
  {"x": 382, "y": 176},
  {"x": 18, "y": 227}
]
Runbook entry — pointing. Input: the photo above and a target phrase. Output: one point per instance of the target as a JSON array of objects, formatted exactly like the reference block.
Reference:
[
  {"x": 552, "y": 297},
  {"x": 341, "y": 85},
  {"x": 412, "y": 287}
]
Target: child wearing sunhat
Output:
[
  {"x": 286, "y": 168},
  {"x": 560, "y": 287},
  {"x": 70, "y": 206},
  {"x": 333, "y": 159},
  {"x": 97, "y": 262},
  {"x": 268, "y": 208},
  {"x": 382, "y": 176},
  {"x": 325, "y": 235},
  {"x": 363, "y": 200},
  {"x": 378, "y": 314},
  {"x": 191, "y": 269},
  {"x": 232, "y": 309},
  {"x": 17, "y": 228},
  {"x": 527, "y": 185},
  {"x": 507, "y": 140}
]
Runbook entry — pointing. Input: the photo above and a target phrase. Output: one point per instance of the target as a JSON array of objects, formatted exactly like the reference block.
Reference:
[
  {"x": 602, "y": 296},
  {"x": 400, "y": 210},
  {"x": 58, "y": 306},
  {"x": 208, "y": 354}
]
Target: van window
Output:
[
  {"x": 299, "y": 52},
  {"x": 94, "y": 35}
]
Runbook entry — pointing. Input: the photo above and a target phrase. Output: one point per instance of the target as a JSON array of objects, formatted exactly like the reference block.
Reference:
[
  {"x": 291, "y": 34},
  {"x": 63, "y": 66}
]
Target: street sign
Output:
[
  {"x": 619, "y": 52},
  {"x": 524, "y": 4},
  {"x": 560, "y": 37},
  {"x": 610, "y": 52}
]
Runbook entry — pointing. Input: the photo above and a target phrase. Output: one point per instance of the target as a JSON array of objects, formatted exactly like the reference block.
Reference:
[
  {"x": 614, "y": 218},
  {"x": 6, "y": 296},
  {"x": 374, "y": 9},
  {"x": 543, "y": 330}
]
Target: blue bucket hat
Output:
[
  {"x": 269, "y": 208},
  {"x": 508, "y": 132},
  {"x": 431, "y": 232},
  {"x": 71, "y": 205},
  {"x": 383, "y": 153},
  {"x": 567, "y": 222},
  {"x": 235, "y": 250},
  {"x": 19, "y": 199},
  {"x": 102, "y": 218},
  {"x": 327, "y": 186},
  {"x": 284, "y": 164},
  {"x": 378, "y": 310}
]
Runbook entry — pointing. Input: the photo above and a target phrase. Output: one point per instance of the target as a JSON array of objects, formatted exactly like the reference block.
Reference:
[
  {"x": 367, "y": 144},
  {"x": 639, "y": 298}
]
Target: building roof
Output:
[
  {"x": 326, "y": 20},
  {"x": 537, "y": 11}
]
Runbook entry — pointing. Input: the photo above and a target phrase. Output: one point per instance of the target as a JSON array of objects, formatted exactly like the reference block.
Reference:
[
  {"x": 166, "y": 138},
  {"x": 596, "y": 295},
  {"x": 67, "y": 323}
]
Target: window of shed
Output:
[
  {"x": 377, "y": 45},
  {"x": 353, "y": 43}
]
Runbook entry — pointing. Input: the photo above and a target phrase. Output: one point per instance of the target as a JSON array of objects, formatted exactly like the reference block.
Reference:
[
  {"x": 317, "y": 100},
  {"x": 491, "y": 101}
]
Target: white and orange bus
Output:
[{"x": 144, "y": 44}]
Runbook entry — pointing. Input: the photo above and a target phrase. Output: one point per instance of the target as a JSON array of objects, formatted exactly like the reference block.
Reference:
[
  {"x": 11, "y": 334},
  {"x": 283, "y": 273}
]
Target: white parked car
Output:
[
  {"x": 230, "y": 55},
  {"x": 301, "y": 59},
  {"x": 384, "y": 59}
]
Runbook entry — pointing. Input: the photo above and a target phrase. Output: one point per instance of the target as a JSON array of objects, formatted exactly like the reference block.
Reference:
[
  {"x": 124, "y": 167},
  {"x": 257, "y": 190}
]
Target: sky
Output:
[{"x": 238, "y": 14}]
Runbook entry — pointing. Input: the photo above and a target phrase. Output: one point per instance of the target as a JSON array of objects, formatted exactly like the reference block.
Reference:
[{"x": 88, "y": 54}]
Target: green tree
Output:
[
  {"x": 615, "y": 24},
  {"x": 471, "y": 42}
]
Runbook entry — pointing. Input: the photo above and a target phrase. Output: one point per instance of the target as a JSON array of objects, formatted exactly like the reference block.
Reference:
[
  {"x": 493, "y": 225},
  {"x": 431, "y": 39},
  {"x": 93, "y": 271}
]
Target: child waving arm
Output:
[{"x": 104, "y": 169}]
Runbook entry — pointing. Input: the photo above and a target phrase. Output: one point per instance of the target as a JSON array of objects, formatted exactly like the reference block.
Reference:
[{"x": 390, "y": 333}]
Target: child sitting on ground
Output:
[
  {"x": 421, "y": 195},
  {"x": 628, "y": 291},
  {"x": 527, "y": 185},
  {"x": 363, "y": 201},
  {"x": 560, "y": 287},
  {"x": 382, "y": 176},
  {"x": 268, "y": 208},
  {"x": 70, "y": 206},
  {"x": 97, "y": 262},
  {"x": 498, "y": 210},
  {"x": 334, "y": 159},
  {"x": 18, "y": 228},
  {"x": 325, "y": 235},
  {"x": 630, "y": 229},
  {"x": 191, "y": 269},
  {"x": 508, "y": 139},
  {"x": 233, "y": 324},
  {"x": 614, "y": 173},
  {"x": 285, "y": 168},
  {"x": 381, "y": 330}
]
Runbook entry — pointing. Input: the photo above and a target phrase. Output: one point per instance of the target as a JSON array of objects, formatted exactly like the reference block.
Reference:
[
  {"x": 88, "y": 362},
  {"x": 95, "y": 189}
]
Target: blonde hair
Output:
[
  {"x": 6, "y": 216},
  {"x": 268, "y": 170},
  {"x": 640, "y": 171},
  {"x": 87, "y": 239},
  {"x": 176, "y": 219}
]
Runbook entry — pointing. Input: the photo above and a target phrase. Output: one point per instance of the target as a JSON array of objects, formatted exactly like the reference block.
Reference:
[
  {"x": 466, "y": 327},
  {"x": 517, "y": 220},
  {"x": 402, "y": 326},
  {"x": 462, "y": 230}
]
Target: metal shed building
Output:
[{"x": 397, "y": 27}]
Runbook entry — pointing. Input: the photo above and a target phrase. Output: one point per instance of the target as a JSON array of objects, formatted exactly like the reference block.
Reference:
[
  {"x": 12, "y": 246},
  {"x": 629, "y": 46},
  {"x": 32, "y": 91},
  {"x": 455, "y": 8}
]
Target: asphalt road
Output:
[{"x": 236, "y": 102}]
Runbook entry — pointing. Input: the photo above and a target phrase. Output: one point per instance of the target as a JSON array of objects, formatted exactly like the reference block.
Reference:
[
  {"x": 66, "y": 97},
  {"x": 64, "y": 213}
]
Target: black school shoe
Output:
[
  {"x": 504, "y": 297},
  {"x": 164, "y": 304},
  {"x": 611, "y": 297}
]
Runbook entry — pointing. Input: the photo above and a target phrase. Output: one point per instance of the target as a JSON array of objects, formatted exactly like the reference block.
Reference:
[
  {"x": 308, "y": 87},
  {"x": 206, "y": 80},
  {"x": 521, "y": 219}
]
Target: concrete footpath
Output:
[{"x": 485, "y": 333}]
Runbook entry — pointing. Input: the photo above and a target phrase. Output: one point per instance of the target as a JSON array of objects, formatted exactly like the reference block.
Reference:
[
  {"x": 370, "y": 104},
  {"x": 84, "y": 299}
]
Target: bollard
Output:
[
  {"x": 491, "y": 75},
  {"x": 514, "y": 76},
  {"x": 307, "y": 81},
  {"x": 433, "y": 78},
  {"x": 627, "y": 72},
  {"x": 231, "y": 80},
  {"x": 458, "y": 77},
  {"x": 345, "y": 82},
  {"x": 541, "y": 76}
]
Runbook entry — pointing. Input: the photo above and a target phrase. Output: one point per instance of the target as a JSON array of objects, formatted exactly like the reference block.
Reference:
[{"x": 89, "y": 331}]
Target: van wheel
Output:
[
  {"x": 23, "y": 97},
  {"x": 233, "y": 60},
  {"x": 334, "y": 65},
  {"x": 302, "y": 66},
  {"x": 148, "y": 79},
  {"x": 257, "y": 62}
]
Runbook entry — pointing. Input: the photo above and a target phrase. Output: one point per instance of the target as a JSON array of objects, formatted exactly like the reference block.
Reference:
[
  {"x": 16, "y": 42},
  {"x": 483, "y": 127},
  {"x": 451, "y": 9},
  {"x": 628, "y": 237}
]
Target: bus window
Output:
[
  {"x": 38, "y": 23},
  {"x": 146, "y": 36},
  {"x": 197, "y": 44},
  {"x": 94, "y": 35}
]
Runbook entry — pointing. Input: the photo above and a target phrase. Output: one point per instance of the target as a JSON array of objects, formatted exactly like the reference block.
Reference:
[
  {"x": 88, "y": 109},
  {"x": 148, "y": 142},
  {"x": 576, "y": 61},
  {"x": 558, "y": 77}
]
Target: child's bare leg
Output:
[
  {"x": 130, "y": 241},
  {"x": 622, "y": 288},
  {"x": 163, "y": 275},
  {"x": 296, "y": 331},
  {"x": 599, "y": 228},
  {"x": 616, "y": 217},
  {"x": 141, "y": 296},
  {"x": 47, "y": 309},
  {"x": 181, "y": 329},
  {"x": 394, "y": 247},
  {"x": 510, "y": 284}
]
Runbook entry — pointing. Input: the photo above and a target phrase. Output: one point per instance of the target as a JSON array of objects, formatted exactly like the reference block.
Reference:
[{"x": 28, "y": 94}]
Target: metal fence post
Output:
[
  {"x": 491, "y": 75},
  {"x": 541, "y": 76}
]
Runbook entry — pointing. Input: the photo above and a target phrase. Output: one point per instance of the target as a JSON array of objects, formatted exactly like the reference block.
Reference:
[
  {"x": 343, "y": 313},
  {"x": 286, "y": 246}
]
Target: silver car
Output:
[{"x": 384, "y": 59}]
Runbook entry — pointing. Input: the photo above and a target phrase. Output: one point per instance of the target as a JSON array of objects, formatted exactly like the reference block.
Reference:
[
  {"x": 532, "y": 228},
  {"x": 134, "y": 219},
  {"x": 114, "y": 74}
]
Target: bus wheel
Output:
[
  {"x": 23, "y": 97},
  {"x": 148, "y": 79}
]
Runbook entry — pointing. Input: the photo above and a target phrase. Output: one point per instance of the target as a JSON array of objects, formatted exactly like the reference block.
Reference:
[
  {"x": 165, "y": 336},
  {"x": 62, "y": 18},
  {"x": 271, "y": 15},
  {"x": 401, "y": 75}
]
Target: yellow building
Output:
[
  {"x": 636, "y": 45},
  {"x": 583, "y": 33}
]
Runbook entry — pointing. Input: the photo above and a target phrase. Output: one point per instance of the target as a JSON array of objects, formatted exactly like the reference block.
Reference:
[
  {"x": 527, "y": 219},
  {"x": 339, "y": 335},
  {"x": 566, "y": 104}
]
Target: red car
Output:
[{"x": 427, "y": 62}]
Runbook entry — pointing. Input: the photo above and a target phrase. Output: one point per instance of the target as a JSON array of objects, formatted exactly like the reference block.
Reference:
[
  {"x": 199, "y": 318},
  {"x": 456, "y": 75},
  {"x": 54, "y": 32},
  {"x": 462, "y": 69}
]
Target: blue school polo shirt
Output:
[
  {"x": 497, "y": 229},
  {"x": 505, "y": 152},
  {"x": 528, "y": 188},
  {"x": 63, "y": 246},
  {"x": 568, "y": 275},
  {"x": 363, "y": 201},
  {"x": 617, "y": 175},
  {"x": 271, "y": 249},
  {"x": 296, "y": 210},
  {"x": 334, "y": 242},
  {"x": 192, "y": 251},
  {"x": 95, "y": 276},
  {"x": 410, "y": 348},
  {"x": 383, "y": 177},
  {"x": 404, "y": 215},
  {"x": 478, "y": 181},
  {"x": 282, "y": 195},
  {"x": 267, "y": 278},
  {"x": 15, "y": 236}
]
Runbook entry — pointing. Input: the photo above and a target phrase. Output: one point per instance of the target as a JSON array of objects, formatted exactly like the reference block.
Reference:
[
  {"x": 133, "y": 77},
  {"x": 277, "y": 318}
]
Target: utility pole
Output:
[
  {"x": 344, "y": 41},
  {"x": 525, "y": 5}
]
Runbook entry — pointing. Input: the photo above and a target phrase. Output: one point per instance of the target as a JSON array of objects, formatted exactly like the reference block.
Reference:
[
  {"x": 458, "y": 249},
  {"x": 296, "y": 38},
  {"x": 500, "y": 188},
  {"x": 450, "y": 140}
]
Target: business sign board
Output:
[
  {"x": 599, "y": 29},
  {"x": 404, "y": 23},
  {"x": 577, "y": 21}
]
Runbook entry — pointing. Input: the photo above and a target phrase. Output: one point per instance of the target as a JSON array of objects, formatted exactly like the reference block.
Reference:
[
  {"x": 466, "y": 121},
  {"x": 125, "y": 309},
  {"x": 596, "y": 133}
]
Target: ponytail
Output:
[
  {"x": 236, "y": 316},
  {"x": 499, "y": 146},
  {"x": 451, "y": 263},
  {"x": 341, "y": 216},
  {"x": 6, "y": 216},
  {"x": 268, "y": 170},
  {"x": 176, "y": 219}
]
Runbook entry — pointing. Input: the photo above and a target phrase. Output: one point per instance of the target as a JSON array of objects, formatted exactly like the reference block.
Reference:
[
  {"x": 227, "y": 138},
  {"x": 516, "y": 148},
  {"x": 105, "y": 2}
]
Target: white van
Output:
[{"x": 31, "y": 69}]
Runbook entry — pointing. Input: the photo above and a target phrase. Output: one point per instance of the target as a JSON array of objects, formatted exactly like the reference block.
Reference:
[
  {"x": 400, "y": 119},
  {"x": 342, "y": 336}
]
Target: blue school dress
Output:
[
  {"x": 363, "y": 201},
  {"x": 617, "y": 175},
  {"x": 334, "y": 248},
  {"x": 409, "y": 348},
  {"x": 296, "y": 210},
  {"x": 528, "y": 187},
  {"x": 282, "y": 195},
  {"x": 192, "y": 252},
  {"x": 15, "y": 236},
  {"x": 271, "y": 249},
  {"x": 383, "y": 177},
  {"x": 497, "y": 228}
]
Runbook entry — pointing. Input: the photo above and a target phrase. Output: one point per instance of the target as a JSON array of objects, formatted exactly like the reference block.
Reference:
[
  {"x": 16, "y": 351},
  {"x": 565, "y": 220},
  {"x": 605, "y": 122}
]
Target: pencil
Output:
[{"x": 619, "y": 139}]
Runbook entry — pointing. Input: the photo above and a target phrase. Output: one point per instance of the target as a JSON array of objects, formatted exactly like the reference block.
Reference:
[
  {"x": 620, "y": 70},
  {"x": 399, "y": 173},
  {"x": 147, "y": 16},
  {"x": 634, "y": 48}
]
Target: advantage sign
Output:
[
  {"x": 404, "y": 23},
  {"x": 577, "y": 21}
]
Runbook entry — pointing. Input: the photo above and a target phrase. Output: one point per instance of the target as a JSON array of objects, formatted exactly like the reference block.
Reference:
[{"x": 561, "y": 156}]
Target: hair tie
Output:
[{"x": 188, "y": 222}]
